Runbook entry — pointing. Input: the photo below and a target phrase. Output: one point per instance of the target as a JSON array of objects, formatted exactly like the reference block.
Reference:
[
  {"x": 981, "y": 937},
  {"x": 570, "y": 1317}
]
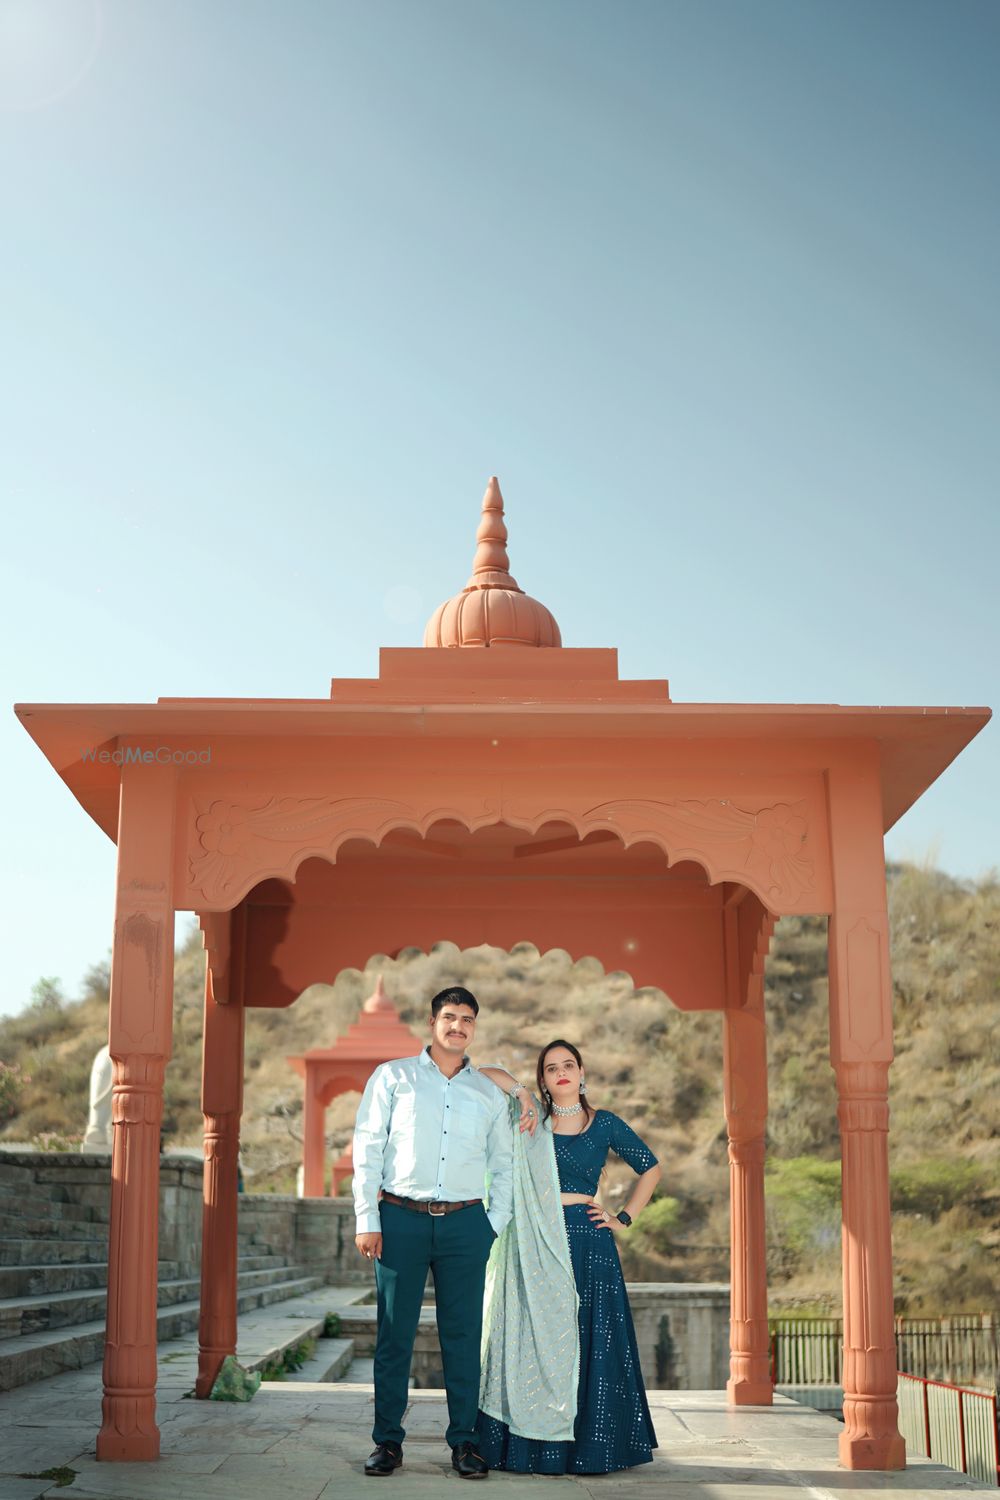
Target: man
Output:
[{"x": 429, "y": 1132}]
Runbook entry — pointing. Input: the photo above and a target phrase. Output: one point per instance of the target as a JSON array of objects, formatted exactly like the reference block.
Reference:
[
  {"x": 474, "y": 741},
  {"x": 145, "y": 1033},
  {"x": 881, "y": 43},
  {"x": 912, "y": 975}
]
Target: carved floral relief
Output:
[
  {"x": 234, "y": 840},
  {"x": 767, "y": 847},
  {"x": 235, "y": 845}
]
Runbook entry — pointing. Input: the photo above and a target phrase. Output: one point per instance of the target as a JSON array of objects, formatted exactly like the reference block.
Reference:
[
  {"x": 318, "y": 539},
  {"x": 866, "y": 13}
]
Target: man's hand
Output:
[
  {"x": 529, "y": 1115},
  {"x": 369, "y": 1245}
]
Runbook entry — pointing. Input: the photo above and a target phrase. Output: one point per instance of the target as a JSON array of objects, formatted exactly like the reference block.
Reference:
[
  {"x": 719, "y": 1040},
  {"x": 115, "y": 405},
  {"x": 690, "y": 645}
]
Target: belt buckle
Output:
[{"x": 441, "y": 1210}]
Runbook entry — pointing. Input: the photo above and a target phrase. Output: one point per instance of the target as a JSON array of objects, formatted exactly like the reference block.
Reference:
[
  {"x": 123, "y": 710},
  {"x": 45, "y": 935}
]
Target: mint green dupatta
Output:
[{"x": 531, "y": 1337}]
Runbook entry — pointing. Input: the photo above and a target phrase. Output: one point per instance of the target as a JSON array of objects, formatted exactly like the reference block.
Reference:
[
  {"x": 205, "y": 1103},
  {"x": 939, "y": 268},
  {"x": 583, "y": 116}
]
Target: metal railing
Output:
[
  {"x": 962, "y": 1349},
  {"x": 806, "y": 1351},
  {"x": 951, "y": 1424}
]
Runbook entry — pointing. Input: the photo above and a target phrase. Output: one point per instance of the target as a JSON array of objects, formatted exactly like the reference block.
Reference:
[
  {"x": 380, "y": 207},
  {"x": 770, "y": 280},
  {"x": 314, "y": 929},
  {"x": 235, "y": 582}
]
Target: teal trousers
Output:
[{"x": 455, "y": 1248}]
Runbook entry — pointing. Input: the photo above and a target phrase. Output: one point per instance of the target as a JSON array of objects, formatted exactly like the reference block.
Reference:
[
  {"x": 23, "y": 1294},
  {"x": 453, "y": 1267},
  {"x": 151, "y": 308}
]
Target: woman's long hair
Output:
[{"x": 540, "y": 1078}]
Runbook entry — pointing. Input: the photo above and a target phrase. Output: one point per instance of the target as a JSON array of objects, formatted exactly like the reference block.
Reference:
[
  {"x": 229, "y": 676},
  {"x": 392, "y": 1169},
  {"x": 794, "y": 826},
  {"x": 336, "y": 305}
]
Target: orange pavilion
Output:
[{"x": 495, "y": 786}]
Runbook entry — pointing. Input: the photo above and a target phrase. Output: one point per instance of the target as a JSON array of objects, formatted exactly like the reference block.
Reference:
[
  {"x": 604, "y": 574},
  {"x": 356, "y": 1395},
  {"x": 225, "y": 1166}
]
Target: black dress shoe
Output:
[
  {"x": 467, "y": 1463},
  {"x": 383, "y": 1458}
]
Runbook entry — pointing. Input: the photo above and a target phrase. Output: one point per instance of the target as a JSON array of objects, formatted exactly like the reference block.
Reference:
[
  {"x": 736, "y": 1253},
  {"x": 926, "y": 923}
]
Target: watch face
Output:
[{"x": 624, "y": 1218}]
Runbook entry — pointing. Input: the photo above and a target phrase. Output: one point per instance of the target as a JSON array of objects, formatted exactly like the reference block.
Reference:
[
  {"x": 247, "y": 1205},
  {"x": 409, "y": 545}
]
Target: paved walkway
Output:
[{"x": 302, "y": 1440}]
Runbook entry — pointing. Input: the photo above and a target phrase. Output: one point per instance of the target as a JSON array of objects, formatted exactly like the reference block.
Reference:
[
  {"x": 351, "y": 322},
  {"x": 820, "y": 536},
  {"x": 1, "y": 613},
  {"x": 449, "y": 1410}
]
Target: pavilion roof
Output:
[{"x": 916, "y": 744}]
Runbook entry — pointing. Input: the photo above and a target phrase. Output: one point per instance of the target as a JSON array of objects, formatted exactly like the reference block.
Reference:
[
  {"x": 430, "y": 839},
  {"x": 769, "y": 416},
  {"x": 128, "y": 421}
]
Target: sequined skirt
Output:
[{"x": 613, "y": 1427}]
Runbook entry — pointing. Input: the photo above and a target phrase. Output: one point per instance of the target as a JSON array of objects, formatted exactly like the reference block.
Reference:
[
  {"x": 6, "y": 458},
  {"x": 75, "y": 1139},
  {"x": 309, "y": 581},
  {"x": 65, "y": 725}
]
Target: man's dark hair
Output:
[{"x": 456, "y": 995}]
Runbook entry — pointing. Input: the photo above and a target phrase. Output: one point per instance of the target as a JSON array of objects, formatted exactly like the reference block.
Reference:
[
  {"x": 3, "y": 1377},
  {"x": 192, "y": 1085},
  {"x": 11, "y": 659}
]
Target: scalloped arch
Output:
[
  {"x": 542, "y": 953},
  {"x": 233, "y": 847}
]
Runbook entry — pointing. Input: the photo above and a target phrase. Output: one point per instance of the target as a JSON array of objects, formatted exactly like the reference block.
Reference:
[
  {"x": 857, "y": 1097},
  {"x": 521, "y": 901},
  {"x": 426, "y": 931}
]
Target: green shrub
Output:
[
  {"x": 653, "y": 1229},
  {"x": 296, "y": 1357},
  {"x": 803, "y": 1205},
  {"x": 933, "y": 1186}
]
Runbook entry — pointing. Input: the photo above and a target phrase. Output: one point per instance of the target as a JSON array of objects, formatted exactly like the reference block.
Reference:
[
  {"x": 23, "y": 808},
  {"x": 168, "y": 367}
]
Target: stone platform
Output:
[{"x": 306, "y": 1440}]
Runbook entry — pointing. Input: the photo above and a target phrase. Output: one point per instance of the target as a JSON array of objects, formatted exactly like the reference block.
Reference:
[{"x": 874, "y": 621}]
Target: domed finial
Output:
[
  {"x": 378, "y": 1000},
  {"x": 492, "y": 609},
  {"x": 491, "y": 565}
]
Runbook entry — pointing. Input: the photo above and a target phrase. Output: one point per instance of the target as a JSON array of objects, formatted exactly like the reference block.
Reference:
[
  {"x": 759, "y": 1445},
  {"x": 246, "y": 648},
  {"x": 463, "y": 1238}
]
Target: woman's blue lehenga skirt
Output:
[{"x": 613, "y": 1427}]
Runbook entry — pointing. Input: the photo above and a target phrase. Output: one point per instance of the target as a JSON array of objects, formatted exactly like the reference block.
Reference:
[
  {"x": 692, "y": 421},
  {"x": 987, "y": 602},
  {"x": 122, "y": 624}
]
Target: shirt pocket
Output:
[
  {"x": 470, "y": 1121},
  {"x": 404, "y": 1109}
]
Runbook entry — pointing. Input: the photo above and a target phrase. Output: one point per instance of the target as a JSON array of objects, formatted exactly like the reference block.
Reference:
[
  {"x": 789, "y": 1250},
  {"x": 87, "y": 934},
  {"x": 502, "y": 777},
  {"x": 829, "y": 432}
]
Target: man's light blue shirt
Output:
[{"x": 422, "y": 1135}]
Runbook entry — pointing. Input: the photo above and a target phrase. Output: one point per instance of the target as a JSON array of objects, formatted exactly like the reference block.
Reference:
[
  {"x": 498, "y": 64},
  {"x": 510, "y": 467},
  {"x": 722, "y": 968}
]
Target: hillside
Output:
[{"x": 658, "y": 1067}]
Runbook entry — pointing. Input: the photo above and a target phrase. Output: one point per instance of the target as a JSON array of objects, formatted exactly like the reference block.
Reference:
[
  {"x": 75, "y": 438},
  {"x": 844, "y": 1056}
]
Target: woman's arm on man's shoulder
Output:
[{"x": 508, "y": 1084}]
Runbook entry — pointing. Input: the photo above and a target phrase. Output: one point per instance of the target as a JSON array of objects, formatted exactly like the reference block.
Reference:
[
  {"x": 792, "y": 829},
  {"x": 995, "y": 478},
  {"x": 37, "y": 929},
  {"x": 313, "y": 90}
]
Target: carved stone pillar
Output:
[
  {"x": 314, "y": 1140},
  {"x": 749, "y": 1382},
  {"x": 871, "y": 1438},
  {"x": 861, "y": 1052},
  {"x": 222, "y": 1103},
  {"x": 748, "y": 929},
  {"x": 129, "y": 1429},
  {"x": 142, "y": 969}
]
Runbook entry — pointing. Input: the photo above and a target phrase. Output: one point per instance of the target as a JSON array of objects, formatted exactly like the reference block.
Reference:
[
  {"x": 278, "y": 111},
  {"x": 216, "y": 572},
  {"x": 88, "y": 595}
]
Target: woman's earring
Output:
[
  {"x": 583, "y": 1084},
  {"x": 546, "y": 1092}
]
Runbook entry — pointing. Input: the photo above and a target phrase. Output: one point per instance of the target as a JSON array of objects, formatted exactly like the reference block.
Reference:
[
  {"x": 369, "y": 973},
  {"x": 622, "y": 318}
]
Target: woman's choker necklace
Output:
[{"x": 567, "y": 1109}]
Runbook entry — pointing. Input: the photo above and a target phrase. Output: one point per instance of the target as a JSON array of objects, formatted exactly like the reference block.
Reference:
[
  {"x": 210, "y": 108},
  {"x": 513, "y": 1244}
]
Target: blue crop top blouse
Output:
[{"x": 580, "y": 1158}]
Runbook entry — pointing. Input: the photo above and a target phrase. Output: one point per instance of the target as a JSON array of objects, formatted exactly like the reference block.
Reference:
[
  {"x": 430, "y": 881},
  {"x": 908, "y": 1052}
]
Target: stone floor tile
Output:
[
  {"x": 165, "y": 1481},
  {"x": 23, "y": 1489},
  {"x": 38, "y": 1449}
]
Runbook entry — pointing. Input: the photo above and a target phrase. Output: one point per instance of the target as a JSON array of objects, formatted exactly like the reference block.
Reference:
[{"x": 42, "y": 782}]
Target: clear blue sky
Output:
[{"x": 712, "y": 286}]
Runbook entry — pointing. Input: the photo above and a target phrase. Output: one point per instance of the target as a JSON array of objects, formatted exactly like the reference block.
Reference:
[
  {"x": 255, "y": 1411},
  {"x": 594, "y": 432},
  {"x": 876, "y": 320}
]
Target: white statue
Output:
[{"x": 98, "y": 1135}]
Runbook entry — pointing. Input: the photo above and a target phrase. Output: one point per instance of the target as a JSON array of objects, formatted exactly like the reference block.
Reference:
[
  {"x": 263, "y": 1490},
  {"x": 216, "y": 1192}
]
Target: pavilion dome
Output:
[
  {"x": 378, "y": 1002},
  {"x": 492, "y": 610}
]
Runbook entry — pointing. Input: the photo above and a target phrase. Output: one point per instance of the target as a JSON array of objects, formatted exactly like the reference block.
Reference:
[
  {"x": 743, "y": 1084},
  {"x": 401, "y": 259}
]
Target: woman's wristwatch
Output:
[{"x": 624, "y": 1218}]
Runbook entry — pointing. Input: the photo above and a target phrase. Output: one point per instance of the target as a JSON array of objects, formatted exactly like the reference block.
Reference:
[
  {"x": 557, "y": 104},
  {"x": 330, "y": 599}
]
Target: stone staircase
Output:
[{"x": 53, "y": 1272}]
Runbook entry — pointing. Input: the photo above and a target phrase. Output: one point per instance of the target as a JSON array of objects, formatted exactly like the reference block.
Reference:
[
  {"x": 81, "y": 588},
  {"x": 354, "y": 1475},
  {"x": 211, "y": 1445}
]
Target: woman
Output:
[{"x": 533, "y": 1357}]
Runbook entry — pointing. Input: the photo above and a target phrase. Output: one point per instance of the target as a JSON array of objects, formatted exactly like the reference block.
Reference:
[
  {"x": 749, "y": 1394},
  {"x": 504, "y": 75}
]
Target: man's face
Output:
[{"x": 453, "y": 1028}]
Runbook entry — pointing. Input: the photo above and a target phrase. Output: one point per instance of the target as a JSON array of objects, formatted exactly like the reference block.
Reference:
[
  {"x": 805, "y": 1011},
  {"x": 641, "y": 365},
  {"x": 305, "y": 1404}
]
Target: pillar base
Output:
[
  {"x": 210, "y": 1362},
  {"x": 872, "y": 1453},
  {"x": 128, "y": 1447},
  {"x": 749, "y": 1393}
]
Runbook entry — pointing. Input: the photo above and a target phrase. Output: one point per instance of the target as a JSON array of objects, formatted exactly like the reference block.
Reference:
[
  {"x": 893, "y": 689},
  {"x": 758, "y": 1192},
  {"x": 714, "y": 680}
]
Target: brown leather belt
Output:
[{"x": 436, "y": 1209}]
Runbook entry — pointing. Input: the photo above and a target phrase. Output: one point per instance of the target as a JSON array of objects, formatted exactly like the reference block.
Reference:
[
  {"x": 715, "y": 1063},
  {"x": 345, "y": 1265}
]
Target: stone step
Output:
[
  {"x": 332, "y": 1360},
  {"x": 20, "y": 1316},
  {"x": 40, "y": 1252},
  {"x": 37, "y": 1355},
  {"x": 88, "y": 1196},
  {"x": 47, "y": 1227},
  {"x": 34, "y": 1279},
  {"x": 16, "y": 1210},
  {"x": 261, "y": 1262},
  {"x": 264, "y": 1337},
  {"x": 360, "y": 1324}
]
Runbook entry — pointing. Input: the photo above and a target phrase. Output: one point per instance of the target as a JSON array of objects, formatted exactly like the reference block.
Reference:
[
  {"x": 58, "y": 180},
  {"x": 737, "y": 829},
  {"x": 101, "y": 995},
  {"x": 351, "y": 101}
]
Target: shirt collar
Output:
[{"x": 428, "y": 1061}]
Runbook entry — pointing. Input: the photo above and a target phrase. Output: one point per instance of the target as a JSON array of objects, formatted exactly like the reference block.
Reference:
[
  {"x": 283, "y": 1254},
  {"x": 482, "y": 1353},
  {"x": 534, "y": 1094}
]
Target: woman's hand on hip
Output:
[{"x": 603, "y": 1218}]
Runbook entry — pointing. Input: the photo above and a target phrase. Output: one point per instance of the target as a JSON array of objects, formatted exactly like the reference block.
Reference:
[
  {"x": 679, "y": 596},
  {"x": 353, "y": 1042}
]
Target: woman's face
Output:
[{"x": 561, "y": 1075}]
